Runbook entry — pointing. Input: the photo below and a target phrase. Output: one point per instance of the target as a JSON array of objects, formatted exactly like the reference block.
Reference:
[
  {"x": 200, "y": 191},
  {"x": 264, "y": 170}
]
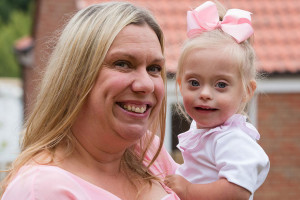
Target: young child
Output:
[{"x": 216, "y": 76}]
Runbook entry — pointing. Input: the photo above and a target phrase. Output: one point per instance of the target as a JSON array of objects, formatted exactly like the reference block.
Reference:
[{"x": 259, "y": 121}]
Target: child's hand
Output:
[{"x": 178, "y": 184}]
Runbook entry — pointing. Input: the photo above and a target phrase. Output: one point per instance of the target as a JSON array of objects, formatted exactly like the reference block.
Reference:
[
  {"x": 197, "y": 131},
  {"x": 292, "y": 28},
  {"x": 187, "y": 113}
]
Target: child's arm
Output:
[{"x": 220, "y": 189}]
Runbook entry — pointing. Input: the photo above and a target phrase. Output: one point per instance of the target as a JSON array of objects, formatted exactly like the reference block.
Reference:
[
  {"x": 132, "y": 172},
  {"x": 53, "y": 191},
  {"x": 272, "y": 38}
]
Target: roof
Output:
[
  {"x": 276, "y": 29},
  {"x": 277, "y": 35}
]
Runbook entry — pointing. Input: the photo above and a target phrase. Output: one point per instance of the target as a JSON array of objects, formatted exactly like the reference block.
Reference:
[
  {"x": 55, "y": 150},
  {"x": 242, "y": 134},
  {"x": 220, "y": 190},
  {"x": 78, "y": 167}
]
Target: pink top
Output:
[{"x": 44, "y": 182}]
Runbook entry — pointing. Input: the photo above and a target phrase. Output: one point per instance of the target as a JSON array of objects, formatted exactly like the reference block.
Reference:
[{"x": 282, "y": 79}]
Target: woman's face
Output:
[{"x": 129, "y": 90}]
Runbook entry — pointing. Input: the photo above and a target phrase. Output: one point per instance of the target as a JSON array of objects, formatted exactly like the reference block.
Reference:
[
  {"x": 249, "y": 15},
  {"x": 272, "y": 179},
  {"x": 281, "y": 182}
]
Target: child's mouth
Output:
[{"x": 206, "y": 109}]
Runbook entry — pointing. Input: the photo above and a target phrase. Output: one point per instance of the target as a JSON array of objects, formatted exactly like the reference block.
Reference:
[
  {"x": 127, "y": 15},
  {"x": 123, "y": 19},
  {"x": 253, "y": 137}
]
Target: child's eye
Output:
[
  {"x": 221, "y": 85},
  {"x": 194, "y": 83},
  {"x": 154, "y": 69}
]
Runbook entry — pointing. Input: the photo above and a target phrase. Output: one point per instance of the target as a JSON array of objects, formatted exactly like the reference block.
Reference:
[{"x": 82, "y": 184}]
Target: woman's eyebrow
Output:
[
  {"x": 159, "y": 60},
  {"x": 124, "y": 54}
]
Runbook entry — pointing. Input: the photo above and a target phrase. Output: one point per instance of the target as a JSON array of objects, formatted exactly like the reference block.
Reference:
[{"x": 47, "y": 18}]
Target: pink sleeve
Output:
[
  {"x": 36, "y": 183},
  {"x": 164, "y": 164}
]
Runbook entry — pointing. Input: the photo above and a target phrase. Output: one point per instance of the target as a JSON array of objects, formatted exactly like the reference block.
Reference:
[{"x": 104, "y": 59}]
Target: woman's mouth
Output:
[{"x": 134, "y": 108}]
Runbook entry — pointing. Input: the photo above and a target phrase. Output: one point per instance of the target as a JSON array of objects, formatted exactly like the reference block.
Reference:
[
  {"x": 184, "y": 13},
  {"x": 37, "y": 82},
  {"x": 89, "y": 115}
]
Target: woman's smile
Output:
[{"x": 134, "y": 108}]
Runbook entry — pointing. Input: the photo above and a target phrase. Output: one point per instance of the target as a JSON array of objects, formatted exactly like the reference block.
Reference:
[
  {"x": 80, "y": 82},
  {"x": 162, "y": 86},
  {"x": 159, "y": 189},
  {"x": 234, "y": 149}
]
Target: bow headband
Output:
[{"x": 205, "y": 17}]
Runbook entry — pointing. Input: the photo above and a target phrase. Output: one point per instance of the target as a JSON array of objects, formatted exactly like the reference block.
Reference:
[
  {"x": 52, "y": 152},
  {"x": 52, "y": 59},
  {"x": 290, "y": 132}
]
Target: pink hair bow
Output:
[{"x": 205, "y": 17}]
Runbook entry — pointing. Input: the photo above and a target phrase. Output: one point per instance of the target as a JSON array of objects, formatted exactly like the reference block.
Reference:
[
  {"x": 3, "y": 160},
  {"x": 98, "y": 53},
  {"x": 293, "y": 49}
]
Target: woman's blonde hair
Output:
[
  {"x": 70, "y": 75},
  {"x": 242, "y": 55}
]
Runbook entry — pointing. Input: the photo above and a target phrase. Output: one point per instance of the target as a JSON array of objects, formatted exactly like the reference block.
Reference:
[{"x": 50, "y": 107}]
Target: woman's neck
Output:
[{"x": 94, "y": 159}]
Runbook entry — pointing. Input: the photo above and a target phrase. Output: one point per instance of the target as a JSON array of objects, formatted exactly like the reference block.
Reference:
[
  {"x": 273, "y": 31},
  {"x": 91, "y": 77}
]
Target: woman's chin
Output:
[{"x": 132, "y": 133}]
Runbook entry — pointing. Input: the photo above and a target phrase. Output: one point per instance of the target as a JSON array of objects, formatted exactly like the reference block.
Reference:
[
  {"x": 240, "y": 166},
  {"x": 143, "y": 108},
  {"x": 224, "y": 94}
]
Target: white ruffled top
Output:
[{"x": 228, "y": 151}]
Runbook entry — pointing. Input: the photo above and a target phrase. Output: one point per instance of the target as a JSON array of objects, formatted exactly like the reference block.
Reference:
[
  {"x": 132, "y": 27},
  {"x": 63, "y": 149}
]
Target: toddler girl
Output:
[{"x": 216, "y": 76}]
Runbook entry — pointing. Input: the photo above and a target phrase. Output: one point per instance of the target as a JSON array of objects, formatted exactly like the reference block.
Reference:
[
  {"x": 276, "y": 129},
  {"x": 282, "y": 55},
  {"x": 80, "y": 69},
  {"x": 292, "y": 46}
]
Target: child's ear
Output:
[
  {"x": 179, "y": 84},
  {"x": 251, "y": 90}
]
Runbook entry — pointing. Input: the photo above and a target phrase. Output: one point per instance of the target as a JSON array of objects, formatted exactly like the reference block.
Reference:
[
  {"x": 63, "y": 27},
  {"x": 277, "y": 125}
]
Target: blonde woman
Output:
[{"x": 92, "y": 133}]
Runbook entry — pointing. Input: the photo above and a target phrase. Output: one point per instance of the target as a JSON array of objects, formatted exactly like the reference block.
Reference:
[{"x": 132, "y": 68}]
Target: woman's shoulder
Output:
[
  {"x": 43, "y": 182},
  {"x": 164, "y": 164}
]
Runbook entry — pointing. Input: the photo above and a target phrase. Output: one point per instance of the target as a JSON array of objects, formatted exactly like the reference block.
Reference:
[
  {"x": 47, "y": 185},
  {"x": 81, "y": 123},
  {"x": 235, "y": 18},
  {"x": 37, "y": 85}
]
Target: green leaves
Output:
[
  {"x": 19, "y": 25},
  {"x": 8, "y": 6}
]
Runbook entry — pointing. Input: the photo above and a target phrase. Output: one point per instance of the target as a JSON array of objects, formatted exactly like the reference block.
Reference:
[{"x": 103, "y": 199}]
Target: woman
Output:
[{"x": 101, "y": 102}]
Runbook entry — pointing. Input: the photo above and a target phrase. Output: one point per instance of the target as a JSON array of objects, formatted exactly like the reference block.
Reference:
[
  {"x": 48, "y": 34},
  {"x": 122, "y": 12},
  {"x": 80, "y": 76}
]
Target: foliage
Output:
[
  {"x": 15, "y": 22},
  {"x": 19, "y": 26},
  {"x": 8, "y": 6}
]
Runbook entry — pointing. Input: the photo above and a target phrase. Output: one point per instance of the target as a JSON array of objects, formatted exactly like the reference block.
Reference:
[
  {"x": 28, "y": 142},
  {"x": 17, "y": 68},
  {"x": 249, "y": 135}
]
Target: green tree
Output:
[
  {"x": 15, "y": 23},
  {"x": 8, "y": 6}
]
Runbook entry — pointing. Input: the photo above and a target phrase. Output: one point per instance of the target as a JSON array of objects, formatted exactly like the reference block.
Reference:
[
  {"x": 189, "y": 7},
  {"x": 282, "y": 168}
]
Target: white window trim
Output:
[
  {"x": 279, "y": 85},
  {"x": 275, "y": 86}
]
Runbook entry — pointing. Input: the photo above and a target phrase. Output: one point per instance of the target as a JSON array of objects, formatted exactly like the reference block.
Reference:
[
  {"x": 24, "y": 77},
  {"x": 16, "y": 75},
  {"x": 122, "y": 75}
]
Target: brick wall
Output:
[
  {"x": 50, "y": 16},
  {"x": 278, "y": 123}
]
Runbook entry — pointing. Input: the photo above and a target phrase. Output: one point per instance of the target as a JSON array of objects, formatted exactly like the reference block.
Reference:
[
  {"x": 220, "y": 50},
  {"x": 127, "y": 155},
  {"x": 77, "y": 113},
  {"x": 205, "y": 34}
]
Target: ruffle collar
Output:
[{"x": 191, "y": 138}]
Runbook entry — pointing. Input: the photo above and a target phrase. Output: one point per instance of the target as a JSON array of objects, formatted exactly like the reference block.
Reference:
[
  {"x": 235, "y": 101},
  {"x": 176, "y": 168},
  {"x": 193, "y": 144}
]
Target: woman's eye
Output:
[
  {"x": 194, "y": 83},
  {"x": 221, "y": 85},
  {"x": 122, "y": 64},
  {"x": 155, "y": 69}
]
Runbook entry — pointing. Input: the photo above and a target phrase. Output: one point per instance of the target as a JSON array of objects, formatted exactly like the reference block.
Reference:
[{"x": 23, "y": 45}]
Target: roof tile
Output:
[{"x": 276, "y": 24}]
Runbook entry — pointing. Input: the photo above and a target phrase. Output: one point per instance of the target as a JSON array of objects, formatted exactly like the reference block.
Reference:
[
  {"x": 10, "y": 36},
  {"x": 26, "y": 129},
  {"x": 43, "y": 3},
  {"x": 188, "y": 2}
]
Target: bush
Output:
[{"x": 18, "y": 26}]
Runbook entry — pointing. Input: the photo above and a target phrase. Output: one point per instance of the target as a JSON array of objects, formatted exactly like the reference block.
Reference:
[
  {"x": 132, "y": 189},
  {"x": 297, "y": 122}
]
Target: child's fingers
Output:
[
  {"x": 168, "y": 180},
  {"x": 169, "y": 177}
]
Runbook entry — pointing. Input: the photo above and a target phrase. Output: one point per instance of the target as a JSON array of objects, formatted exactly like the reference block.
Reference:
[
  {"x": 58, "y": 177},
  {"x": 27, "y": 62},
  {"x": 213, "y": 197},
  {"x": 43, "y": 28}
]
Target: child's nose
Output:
[{"x": 206, "y": 93}]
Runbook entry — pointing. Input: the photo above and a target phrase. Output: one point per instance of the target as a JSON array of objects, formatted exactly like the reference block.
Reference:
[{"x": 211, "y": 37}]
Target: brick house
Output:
[{"x": 275, "y": 109}]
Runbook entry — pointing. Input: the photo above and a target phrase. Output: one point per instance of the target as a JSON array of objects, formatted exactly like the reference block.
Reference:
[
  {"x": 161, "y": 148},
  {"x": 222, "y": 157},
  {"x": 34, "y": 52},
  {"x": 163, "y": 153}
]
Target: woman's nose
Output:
[{"x": 143, "y": 82}]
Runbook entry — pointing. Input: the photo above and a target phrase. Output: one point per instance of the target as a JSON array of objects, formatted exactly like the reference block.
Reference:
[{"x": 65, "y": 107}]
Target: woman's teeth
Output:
[{"x": 136, "y": 109}]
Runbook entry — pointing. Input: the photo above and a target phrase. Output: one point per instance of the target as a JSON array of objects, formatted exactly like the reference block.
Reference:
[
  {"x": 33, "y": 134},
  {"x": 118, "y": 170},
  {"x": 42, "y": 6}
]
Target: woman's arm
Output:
[{"x": 220, "y": 189}]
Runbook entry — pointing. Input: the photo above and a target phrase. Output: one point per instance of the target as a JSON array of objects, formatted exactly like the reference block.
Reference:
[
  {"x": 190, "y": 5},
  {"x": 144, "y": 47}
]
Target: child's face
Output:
[{"x": 211, "y": 87}]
